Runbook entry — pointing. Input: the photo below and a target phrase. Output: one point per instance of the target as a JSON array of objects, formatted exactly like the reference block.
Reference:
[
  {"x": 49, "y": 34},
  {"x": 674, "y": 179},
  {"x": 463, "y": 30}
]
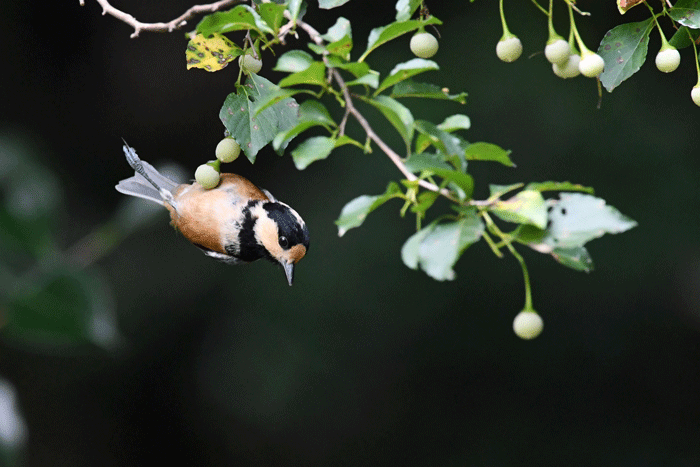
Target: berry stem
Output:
[
  {"x": 550, "y": 25},
  {"x": 506, "y": 33},
  {"x": 579, "y": 41},
  {"x": 526, "y": 276},
  {"x": 540, "y": 7},
  {"x": 695, "y": 53},
  {"x": 507, "y": 241},
  {"x": 664, "y": 43}
]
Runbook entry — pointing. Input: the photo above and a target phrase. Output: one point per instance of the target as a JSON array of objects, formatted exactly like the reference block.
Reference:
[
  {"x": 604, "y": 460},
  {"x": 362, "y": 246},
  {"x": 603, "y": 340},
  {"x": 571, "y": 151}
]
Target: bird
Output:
[{"x": 235, "y": 222}]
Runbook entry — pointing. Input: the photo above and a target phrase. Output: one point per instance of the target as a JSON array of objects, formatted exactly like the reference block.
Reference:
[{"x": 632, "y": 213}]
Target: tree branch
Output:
[{"x": 170, "y": 26}]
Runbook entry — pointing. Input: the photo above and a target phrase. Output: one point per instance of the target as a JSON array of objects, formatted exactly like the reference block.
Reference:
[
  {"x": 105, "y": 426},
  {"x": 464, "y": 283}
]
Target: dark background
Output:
[{"x": 363, "y": 361}]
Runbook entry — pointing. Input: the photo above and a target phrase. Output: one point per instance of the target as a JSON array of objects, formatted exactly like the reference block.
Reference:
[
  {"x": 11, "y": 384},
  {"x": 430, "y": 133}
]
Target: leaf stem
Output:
[{"x": 492, "y": 245}]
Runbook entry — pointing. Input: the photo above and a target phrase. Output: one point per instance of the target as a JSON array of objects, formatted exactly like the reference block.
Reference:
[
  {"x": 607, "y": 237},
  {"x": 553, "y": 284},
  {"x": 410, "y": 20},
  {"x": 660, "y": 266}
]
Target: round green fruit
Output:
[
  {"x": 668, "y": 59},
  {"x": 557, "y": 52},
  {"x": 424, "y": 45},
  {"x": 509, "y": 49},
  {"x": 568, "y": 69},
  {"x": 695, "y": 94},
  {"x": 207, "y": 176},
  {"x": 227, "y": 150},
  {"x": 591, "y": 64},
  {"x": 528, "y": 324},
  {"x": 249, "y": 64}
]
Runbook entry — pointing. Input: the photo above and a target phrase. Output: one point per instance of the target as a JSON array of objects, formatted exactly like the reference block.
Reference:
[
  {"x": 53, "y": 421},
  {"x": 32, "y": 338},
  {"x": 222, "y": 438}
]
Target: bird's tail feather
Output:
[{"x": 140, "y": 187}]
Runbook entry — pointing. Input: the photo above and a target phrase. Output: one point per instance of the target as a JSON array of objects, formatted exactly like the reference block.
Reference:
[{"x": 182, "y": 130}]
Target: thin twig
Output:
[{"x": 170, "y": 26}]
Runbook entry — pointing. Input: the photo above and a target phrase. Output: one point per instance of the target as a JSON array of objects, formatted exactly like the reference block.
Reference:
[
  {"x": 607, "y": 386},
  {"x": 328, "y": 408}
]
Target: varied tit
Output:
[{"x": 235, "y": 222}]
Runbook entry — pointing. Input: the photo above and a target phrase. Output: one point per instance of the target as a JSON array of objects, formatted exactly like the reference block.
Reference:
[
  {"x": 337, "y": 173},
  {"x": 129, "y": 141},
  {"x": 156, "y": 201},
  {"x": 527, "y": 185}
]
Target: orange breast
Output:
[{"x": 210, "y": 218}]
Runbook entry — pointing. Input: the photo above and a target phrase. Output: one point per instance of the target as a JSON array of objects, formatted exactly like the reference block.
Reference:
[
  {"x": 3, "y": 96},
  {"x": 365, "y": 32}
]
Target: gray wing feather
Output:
[{"x": 140, "y": 187}]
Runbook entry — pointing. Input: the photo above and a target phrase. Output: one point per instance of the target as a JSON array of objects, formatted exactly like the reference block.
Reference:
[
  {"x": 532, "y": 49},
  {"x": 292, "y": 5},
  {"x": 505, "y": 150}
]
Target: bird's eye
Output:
[{"x": 284, "y": 243}]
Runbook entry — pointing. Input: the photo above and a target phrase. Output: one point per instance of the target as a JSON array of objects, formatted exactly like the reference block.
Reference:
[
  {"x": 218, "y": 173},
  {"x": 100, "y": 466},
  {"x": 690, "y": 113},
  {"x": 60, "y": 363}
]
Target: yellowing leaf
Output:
[
  {"x": 211, "y": 53},
  {"x": 624, "y": 5}
]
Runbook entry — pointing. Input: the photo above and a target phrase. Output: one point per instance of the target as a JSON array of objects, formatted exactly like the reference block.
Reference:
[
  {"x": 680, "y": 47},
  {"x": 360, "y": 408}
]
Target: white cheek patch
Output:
[{"x": 266, "y": 232}]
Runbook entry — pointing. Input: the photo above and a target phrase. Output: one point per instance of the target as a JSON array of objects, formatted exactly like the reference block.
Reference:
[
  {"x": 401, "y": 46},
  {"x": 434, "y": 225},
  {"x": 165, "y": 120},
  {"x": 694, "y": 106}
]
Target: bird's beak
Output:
[{"x": 289, "y": 271}]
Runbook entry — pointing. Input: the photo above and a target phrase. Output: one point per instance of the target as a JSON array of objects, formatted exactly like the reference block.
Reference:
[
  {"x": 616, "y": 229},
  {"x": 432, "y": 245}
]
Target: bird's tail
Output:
[
  {"x": 140, "y": 187},
  {"x": 147, "y": 182}
]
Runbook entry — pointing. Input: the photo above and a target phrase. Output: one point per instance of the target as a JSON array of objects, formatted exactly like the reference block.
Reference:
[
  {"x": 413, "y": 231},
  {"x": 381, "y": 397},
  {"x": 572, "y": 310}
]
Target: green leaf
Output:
[
  {"x": 339, "y": 38},
  {"x": 442, "y": 140},
  {"x": 371, "y": 79},
  {"x": 273, "y": 14},
  {"x": 311, "y": 113},
  {"x": 418, "y": 162},
  {"x": 317, "y": 49},
  {"x": 558, "y": 186},
  {"x": 294, "y": 61},
  {"x": 338, "y": 31},
  {"x": 211, "y": 53},
  {"x": 437, "y": 247},
  {"x": 328, "y": 4},
  {"x": 624, "y": 50},
  {"x": 315, "y": 74},
  {"x": 409, "y": 88},
  {"x": 318, "y": 148},
  {"x": 345, "y": 139},
  {"x": 311, "y": 150},
  {"x": 354, "y": 213},
  {"x": 461, "y": 179},
  {"x": 241, "y": 17},
  {"x": 397, "y": 114},
  {"x": 488, "y": 152},
  {"x": 687, "y": 13},
  {"x": 578, "y": 218},
  {"x": 455, "y": 122},
  {"x": 382, "y": 35},
  {"x": 357, "y": 69},
  {"x": 526, "y": 207},
  {"x": 274, "y": 97},
  {"x": 435, "y": 165},
  {"x": 254, "y": 131},
  {"x": 496, "y": 191},
  {"x": 295, "y": 7},
  {"x": 341, "y": 48},
  {"x": 683, "y": 37},
  {"x": 410, "y": 250},
  {"x": 425, "y": 200},
  {"x": 406, "y": 8},
  {"x": 405, "y": 70},
  {"x": 575, "y": 258}
]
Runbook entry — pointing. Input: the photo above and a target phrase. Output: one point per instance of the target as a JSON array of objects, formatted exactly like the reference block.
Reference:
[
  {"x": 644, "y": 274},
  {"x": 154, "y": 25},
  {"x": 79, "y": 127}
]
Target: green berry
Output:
[
  {"x": 509, "y": 49},
  {"x": 695, "y": 94},
  {"x": 528, "y": 324},
  {"x": 568, "y": 69},
  {"x": 557, "y": 52},
  {"x": 668, "y": 59},
  {"x": 424, "y": 45},
  {"x": 207, "y": 176},
  {"x": 591, "y": 64},
  {"x": 227, "y": 150},
  {"x": 249, "y": 64}
]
